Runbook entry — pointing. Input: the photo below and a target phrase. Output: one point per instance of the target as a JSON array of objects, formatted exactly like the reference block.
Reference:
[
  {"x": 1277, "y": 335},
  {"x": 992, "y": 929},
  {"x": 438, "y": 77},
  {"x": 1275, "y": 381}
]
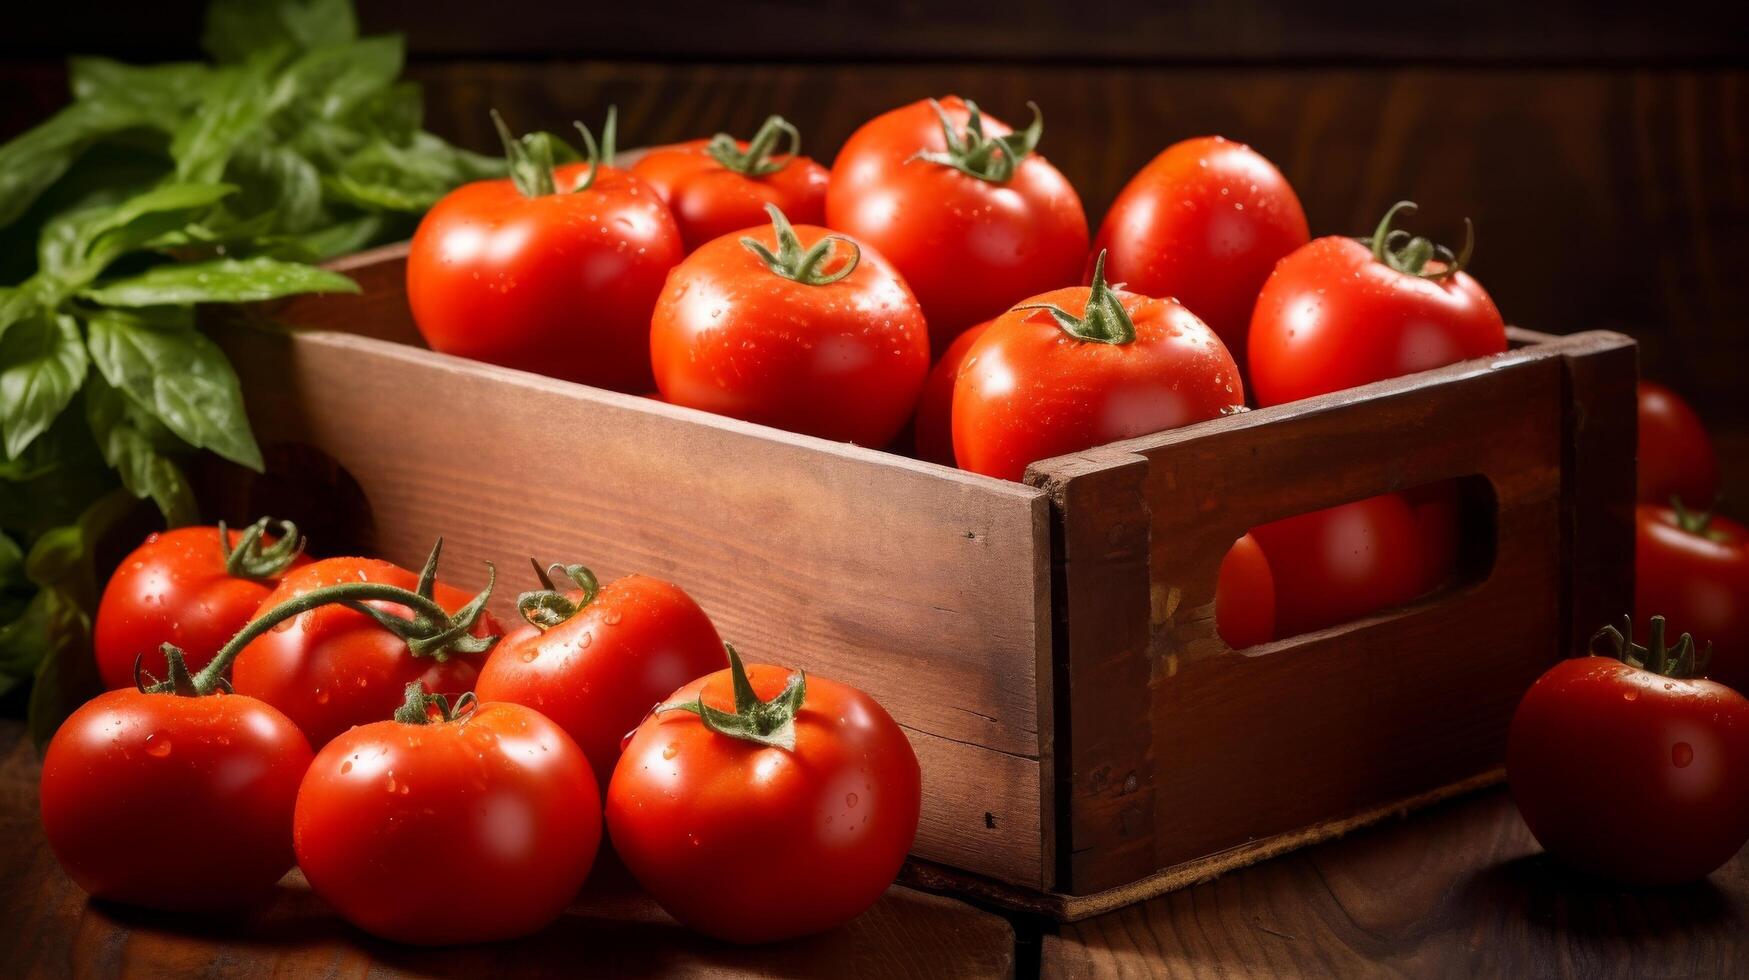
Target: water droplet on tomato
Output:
[
  {"x": 157, "y": 747},
  {"x": 1681, "y": 754},
  {"x": 585, "y": 639},
  {"x": 346, "y": 767},
  {"x": 671, "y": 751},
  {"x": 390, "y": 785},
  {"x": 850, "y": 799},
  {"x": 321, "y": 696},
  {"x": 611, "y": 617},
  {"x": 528, "y": 656},
  {"x": 1630, "y": 695}
]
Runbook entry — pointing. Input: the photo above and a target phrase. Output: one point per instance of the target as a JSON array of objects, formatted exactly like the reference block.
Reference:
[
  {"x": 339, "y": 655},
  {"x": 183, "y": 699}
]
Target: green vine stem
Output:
[
  {"x": 1680, "y": 663},
  {"x": 1104, "y": 321},
  {"x": 428, "y": 632},
  {"x": 806, "y": 267},
  {"x": 771, "y": 723},
  {"x": 531, "y": 160},
  {"x": 988, "y": 158},
  {"x": 547, "y": 607},
  {"x": 1409, "y": 254},
  {"x": 416, "y": 707},
  {"x": 250, "y": 560},
  {"x": 760, "y": 158},
  {"x": 1698, "y": 522}
]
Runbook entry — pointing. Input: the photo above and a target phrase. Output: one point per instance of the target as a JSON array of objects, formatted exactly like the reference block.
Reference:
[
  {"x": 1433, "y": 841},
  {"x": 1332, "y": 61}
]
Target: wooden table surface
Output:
[{"x": 1459, "y": 890}]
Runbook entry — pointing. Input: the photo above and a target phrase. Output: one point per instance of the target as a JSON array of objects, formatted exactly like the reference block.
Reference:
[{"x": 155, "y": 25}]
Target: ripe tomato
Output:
[
  {"x": 1631, "y": 770},
  {"x": 1245, "y": 596},
  {"x": 967, "y": 212},
  {"x": 553, "y": 270},
  {"x": 1083, "y": 366},
  {"x": 194, "y": 587},
  {"x": 1693, "y": 569},
  {"x": 331, "y": 667},
  {"x": 596, "y": 660},
  {"x": 1339, "y": 313},
  {"x": 473, "y": 826},
  {"x": 721, "y": 185},
  {"x": 755, "y": 820},
  {"x": 1204, "y": 223},
  {"x": 1676, "y": 457},
  {"x": 934, "y": 426},
  {"x": 173, "y": 800},
  {"x": 774, "y": 327},
  {"x": 1339, "y": 564}
]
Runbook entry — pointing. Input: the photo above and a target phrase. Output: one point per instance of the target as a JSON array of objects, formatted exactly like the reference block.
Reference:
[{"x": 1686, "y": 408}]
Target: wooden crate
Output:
[{"x": 1086, "y": 738}]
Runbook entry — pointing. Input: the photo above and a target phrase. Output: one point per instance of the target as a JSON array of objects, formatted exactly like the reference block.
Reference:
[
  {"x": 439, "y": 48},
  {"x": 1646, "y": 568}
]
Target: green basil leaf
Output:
[
  {"x": 236, "y": 29},
  {"x": 161, "y": 93},
  {"x": 219, "y": 281},
  {"x": 15, "y": 305},
  {"x": 54, "y": 478},
  {"x": 11, "y": 562},
  {"x": 47, "y": 622},
  {"x": 135, "y": 445},
  {"x": 278, "y": 183},
  {"x": 42, "y": 365},
  {"x": 345, "y": 237},
  {"x": 240, "y": 101},
  {"x": 33, "y": 161},
  {"x": 176, "y": 374},
  {"x": 77, "y": 247},
  {"x": 329, "y": 82},
  {"x": 386, "y": 177}
]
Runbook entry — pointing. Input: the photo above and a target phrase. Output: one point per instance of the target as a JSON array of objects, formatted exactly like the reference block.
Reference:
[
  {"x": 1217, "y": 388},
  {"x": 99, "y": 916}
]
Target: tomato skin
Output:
[
  {"x": 463, "y": 831},
  {"x": 332, "y": 668},
  {"x": 1029, "y": 391},
  {"x": 1204, "y": 223},
  {"x": 1245, "y": 596},
  {"x": 1341, "y": 563},
  {"x": 171, "y": 802},
  {"x": 842, "y": 361},
  {"x": 1676, "y": 457},
  {"x": 1699, "y": 584},
  {"x": 1438, "y": 511},
  {"x": 753, "y": 844},
  {"x": 934, "y": 428},
  {"x": 1332, "y": 317},
  {"x": 967, "y": 247},
  {"x": 559, "y": 284},
  {"x": 709, "y": 200},
  {"x": 1599, "y": 752},
  {"x": 173, "y": 588},
  {"x": 600, "y": 672}
]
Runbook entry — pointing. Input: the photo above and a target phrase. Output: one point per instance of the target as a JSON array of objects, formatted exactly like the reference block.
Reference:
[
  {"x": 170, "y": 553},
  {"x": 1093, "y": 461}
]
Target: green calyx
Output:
[
  {"x": 547, "y": 607},
  {"x": 971, "y": 152},
  {"x": 1697, "y": 522},
  {"x": 250, "y": 560},
  {"x": 1409, "y": 254},
  {"x": 1104, "y": 321},
  {"x": 532, "y": 156},
  {"x": 760, "y": 158},
  {"x": 792, "y": 262},
  {"x": 771, "y": 723},
  {"x": 428, "y": 631},
  {"x": 1680, "y": 663},
  {"x": 417, "y": 707}
]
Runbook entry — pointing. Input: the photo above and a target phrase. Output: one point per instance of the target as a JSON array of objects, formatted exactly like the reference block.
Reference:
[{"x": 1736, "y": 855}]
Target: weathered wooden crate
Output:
[{"x": 1049, "y": 647}]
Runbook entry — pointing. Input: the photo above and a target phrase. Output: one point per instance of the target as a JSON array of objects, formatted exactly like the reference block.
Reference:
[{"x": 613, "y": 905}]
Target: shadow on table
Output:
[{"x": 1550, "y": 897}]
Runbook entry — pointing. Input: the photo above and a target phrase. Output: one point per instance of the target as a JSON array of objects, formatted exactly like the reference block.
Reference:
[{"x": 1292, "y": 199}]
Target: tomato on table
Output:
[
  {"x": 1204, "y": 223},
  {"x": 962, "y": 205},
  {"x": 174, "y": 795},
  {"x": 1338, "y": 564},
  {"x": 552, "y": 270},
  {"x": 1629, "y": 767},
  {"x": 794, "y": 327},
  {"x": 1245, "y": 596},
  {"x": 442, "y": 827},
  {"x": 761, "y": 804},
  {"x": 722, "y": 184},
  {"x": 1676, "y": 457},
  {"x": 1083, "y": 366},
  {"x": 1692, "y": 568},
  {"x": 595, "y": 659},
  {"x": 193, "y": 587},
  {"x": 1338, "y": 313},
  {"x": 934, "y": 422}
]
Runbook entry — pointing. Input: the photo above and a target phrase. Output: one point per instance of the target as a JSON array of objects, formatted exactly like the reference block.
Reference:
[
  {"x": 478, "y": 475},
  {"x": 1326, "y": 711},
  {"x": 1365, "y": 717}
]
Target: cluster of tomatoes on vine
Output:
[{"x": 441, "y": 780}]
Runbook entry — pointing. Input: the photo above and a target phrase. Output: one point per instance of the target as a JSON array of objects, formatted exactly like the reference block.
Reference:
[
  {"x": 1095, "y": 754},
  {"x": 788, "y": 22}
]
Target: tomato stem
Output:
[
  {"x": 416, "y": 706},
  {"x": 759, "y": 158},
  {"x": 547, "y": 607},
  {"x": 806, "y": 267},
  {"x": 1409, "y": 254},
  {"x": 1681, "y": 663},
  {"x": 988, "y": 158},
  {"x": 1698, "y": 522},
  {"x": 249, "y": 560},
  {"x": 531, "y": 156},
  {"x": 1103, "y": 321},
  {"x": 599, "y": 155},
  {"x": 771, "y": 723}
]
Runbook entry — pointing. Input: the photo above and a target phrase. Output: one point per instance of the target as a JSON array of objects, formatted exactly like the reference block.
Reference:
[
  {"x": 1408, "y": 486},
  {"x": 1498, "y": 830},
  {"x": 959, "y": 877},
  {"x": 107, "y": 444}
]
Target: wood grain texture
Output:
[{"x": 48, "y": 928}]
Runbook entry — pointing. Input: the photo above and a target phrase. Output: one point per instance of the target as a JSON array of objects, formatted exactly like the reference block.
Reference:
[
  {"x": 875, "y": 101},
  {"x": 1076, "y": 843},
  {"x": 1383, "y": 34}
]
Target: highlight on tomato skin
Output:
[
  {"x": 1676, "y": 458},
  {"x": 933, "y": 429},
  {"x": 1245, "y": 596},
  {"x": 1692, "y": 567}
]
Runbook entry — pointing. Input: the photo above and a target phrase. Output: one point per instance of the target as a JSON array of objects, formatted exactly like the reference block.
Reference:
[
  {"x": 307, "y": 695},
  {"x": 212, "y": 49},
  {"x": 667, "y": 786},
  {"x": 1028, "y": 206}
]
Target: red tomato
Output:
[
  {"x": 553, "y": 271},
  {"x": 1636, "y": 775},
  {"x": 1693, "y": 569},
  {"x": 775, "y": 327},
  {"x": 172, "y": 801},
  {"x": 1439, "y": 514},
  {"x": 1204, "y": 223},
  {"x": 596, "y": 662},
  {"x": 786, "y": 817},
  {"x": 722, "y": 185},
  {"x": 1081, "y": 367},
  {"x": 1339, "y": 564},
  {"x": 1676, "y": 457},
  {"x": 471, "y": 827},
  {"x": 934, "y": 429},
  {"x": 1245, "y": 596},
  {"x": 332, "y": 667},
  {"x": 1339, "y": 313},
  {"x": 967, "y": 212},
  {"x": 188, "y": 587}
]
